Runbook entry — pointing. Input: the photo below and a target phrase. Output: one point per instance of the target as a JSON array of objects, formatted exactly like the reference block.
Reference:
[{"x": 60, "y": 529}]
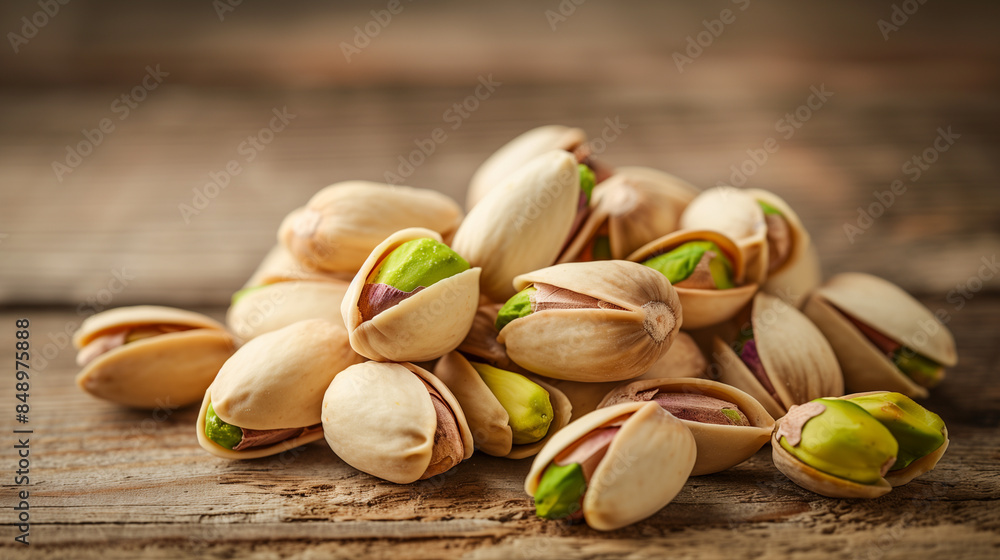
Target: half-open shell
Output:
[
  {"x": 799, "y": 275},
  {"x": 889, "y": 310},
  {"x": 380, "y": 419},
  {"x": 646, "y": 465},
  {"x": 422, "y": 327},
  {"x": 167, "y": 370},
  {"x": 487, "y": 418},
  {"x": 796, "y": 357},
  {"x": 719, "y": 446},
  {"x": 703, "y": 308},
  {"x": 276, "y": 381},
  {"x": 737, "y": 215},
  {"x": 596, "y": 344}
]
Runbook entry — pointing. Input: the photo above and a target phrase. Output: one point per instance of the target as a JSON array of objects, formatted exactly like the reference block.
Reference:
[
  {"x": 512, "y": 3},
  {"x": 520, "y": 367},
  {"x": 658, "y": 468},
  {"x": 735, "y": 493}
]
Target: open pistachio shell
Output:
[
  {"x": 889, "y": 310},
  {"x": 703, "y": 308},
  {"x": 596, "y": 344},
  {"x": 424, "y": 326},
  {"x": 273, "y": 306},
  {"x": 646, "y": 465},
  {"x": 379, "y": 418},
  {"x": 169, "y": 369},
  {"x": 489, "y": 422},
  {"x": 481, "y": 342},
  {"x": 516, "y": 153},
  {"x": 797, "y": 359},
  {"x": 719, "y": 446},
  {"x": 276, "y": 381},
  {"x": 523, "y": 223},
  {"x": 632, "y": 207},
  {"x": 342, "y": 223},
  {"x": 799, "y": 275},
  {"x": 737, "y": 215}
]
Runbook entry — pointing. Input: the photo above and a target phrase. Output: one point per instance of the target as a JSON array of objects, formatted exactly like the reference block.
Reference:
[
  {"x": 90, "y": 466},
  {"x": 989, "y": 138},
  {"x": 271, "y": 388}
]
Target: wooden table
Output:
[{"x": 113, "y": 483}]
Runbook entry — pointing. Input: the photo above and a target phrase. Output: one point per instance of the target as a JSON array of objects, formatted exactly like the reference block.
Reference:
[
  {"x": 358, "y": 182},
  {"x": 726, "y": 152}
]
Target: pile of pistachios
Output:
[{"x": 620, "y": 326}]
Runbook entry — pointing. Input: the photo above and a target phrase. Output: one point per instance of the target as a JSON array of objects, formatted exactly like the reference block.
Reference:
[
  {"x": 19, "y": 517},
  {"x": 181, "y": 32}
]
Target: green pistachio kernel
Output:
[
  {"x": 602, "y": 248},
  {"x": 243, "y": 293},
  {"x": 845, "y": 441},
  {"x": 220, "y": 432},
  {"x": 923, "y": 371},
  {"x": 527, "y": 404},
  {"x": 917, "y": 430},
  {"x": 416, "y": 263},
  {"x": 679, "y": 263},
  {"x": 734, "y": 416},
  {"x": 515, "y": 308},
  {"x": 559, "y": 491},
  {"x": 587, "y": 180},
  {"x": 768, "y": 209}
]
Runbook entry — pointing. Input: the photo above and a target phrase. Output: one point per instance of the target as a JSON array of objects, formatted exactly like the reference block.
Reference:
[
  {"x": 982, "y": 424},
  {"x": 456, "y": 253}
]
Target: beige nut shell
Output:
[
  {"x": 273, "y": 306},
  {"x": 646, "y": 465},
  {"x": 342, "y": 223},
  {"x": 378, "y": 417},
  {"x": 889, "y": 310},
  {"x": 277, "y": 381},
  {"x": 422, "y": 327},
  {"x": 487, "y": 418},
  {"x": 280, "y": 266},
  {"x": 800, "y": 274},
  {"x": 735, "y": 214},
  {"x": 597, "y": 344},
  {"x": 719, "y": 446}
]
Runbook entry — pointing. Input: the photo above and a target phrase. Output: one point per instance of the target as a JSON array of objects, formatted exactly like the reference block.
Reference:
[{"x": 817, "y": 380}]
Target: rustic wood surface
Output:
[{"x": 113, "y": 483}]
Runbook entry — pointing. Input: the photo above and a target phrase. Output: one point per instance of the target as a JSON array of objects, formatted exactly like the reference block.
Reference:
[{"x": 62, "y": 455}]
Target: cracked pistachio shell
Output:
[
  {"x": 379, "y": 418},
  {"x": 424, "y": 326},
  {"x": 638, "y": 205},
  {"x": 277, "y": 381},
  {"x": 798, "y": 359},
  {"x": 719, "y": 447},
  {"x": 703, "y": 308},
  {"x": 487, "y": 418},
  {"x": 516, "y": 153},
  {"x": 646, "y": 465},
  {"x": 170, "y": 369},
  {"x": 273, "y": 306},
  {"x": 523, "y": 223},
  {"x": 596, "y": 344},
  {"x": 800, "y": 274},
  {"x": 889, "y": 310},
  {"x": 341, "y": 224},
  {"x": 735, "y": 214}
]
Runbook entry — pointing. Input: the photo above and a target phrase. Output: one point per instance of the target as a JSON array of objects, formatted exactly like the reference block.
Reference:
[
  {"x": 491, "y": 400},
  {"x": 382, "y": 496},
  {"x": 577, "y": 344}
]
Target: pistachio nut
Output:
[
  {"x": 793, "y": 270},
  {"x": 519, "y": 151},
  {"x": 263, "y": 309},
  {"x": 481, "y": 341},
  {"x": 711, "y": 271},
  {"x": 523, "y": 224},
  {"x": 279, "y": 265},
  {"x": 885, "y": 339},
  {"x": 921, "y": 434},
  {"x": 145, "y": 356},
  {"x": 413, "y": 299},
  {"x": 510, "y": 414},
  {"x": 267, "y": 397},
  {"x": 594, "y": 321},
  {"x": 738, "y": 216},
  {"x": 728, "y": 425},
  {"x": 779, "y": 357},
  {"x": 395, "y": 421},
  {"x": 342, "y": 223},
  {"x": 834, "y": 448},
  {"x": 613, "y": 467},
  {"x": 631, "y": 208}
]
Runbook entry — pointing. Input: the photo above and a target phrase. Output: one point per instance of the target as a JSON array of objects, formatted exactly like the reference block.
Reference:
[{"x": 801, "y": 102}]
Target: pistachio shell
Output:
[
  {"x": 523, "y": 223},
  {"x": 280, "y": 266},
  {"x": 798, "y": 360},
  {"x": 487, "y": 418},
  {"x": 277, "y": 381},
  {"x": 794, "y": 280},
  {"x": 122, "y": 318},
  {"x": 638, "y": 205},
  {"x": 719, "y": 446},
  {"x": 341, "y": 224},
  {"x": 379, "y": 418},
  {"x": 273, "y": 306},
  {"x": 647, "y": 464},
  {"x": 735, "y": 214},
  {"x": 703, "y": 308},
  {"x": 516, "y": 153},
  {"x": 597, "y": 344},
  {"x": 481, "y": 342},
  {"x": 424, "y": 326}
]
